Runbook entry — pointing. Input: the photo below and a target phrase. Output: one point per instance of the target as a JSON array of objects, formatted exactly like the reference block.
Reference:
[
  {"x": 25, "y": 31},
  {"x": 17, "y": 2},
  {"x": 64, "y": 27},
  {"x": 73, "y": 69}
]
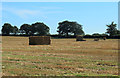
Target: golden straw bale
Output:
[
  {"x": 104, "y": 38},
  {"x": 79, "y": 38},
  {"x": 39, "y": 40},
  {"x": 96, "y": 39}
]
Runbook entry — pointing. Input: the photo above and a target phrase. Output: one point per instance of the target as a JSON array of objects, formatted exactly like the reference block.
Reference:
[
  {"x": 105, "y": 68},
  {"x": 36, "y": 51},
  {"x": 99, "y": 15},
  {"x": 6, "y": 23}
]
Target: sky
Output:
[{"x": 93, "y": 16}]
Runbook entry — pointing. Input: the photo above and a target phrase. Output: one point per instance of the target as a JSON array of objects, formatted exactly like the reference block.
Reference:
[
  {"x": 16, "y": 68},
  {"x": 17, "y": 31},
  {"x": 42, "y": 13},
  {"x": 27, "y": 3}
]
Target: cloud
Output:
[
  {"x": 26, "y": 13},
  {"x": 23, "y": 13}
]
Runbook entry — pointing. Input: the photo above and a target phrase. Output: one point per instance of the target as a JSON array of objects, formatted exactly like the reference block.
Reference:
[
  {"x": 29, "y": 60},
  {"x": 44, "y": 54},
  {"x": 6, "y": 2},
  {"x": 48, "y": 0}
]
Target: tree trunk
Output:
[
  {"x": 67, "y": 34},
  {"x": 74, "y": 34}
]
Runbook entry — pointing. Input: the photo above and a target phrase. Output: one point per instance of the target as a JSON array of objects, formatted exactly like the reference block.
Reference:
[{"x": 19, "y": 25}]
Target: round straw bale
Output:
[{"x": 96, "y": 39}]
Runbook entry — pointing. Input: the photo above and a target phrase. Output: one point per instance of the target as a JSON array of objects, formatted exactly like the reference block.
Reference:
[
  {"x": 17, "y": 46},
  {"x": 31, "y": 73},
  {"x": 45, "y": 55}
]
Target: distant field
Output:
[{"x": 64, "y": 57}]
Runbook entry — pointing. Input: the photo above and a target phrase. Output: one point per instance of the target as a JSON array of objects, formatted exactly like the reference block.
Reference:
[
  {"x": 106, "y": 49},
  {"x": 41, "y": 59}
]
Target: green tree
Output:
[
  {"x": 76, "y": 29},
  {"x": 15, "y": 30},
  {"x": 40, "y": 28},
  {"x": 111, "y": 30},
  {"x": 104, "y": 35},
  {"x": 25, "y": 28},
  {"x": 96, "y": 34},
  {"x": 7, "y": 29},
  {"x": 33, "y": 29},
  {"x": 118, "y": 31},
  {"x": 67, "y": 27},
  {"x": 63, "y": 28},
  {"x": 87, "y": 35}
]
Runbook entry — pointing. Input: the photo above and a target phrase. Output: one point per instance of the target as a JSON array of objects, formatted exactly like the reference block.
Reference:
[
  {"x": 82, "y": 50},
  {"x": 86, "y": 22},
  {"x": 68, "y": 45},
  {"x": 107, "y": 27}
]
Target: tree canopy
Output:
[
  {"x": 111, "y": 30},
  {"x": 15, "y": 30},
  {"x": 25, "y": 28},
  {"x": 7, "y": 29},
  {"x": 40, "y": 28},
  {"x": 67, "y": 27},
  {"x": 37, "y": 28}
]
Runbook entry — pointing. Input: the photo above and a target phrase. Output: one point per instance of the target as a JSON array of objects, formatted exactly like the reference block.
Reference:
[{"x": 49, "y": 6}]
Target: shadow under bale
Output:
[
  {"x": 79, "y": 38},
  {"x": 39, "y": 40}
]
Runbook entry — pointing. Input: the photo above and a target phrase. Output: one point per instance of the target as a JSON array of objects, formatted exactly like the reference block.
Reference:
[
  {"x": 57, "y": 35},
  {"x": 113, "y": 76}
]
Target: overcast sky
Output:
[{"x": 92, "y": 15}]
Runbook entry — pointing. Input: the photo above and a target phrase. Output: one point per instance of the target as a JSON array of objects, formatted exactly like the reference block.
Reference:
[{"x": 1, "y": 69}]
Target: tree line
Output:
[
  {"x": 110, "y": 31},
  {"x": 65, "y": 28},
  {"x": 37, "y": 28}
]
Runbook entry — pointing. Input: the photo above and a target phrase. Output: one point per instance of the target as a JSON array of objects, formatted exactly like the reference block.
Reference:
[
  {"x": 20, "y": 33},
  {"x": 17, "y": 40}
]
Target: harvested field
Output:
[{"x": 63, "y": 57}]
